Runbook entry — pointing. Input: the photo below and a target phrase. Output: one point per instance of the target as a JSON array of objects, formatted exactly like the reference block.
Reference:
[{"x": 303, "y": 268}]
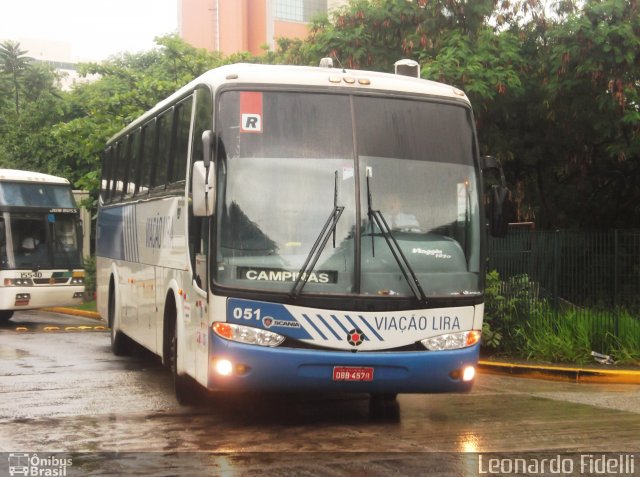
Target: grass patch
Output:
[{"x": 86, "y": 306}]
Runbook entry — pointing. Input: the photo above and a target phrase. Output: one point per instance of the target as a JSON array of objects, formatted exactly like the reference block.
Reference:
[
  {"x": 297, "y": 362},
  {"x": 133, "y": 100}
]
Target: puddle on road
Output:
[{"x": 12, "y": 353}]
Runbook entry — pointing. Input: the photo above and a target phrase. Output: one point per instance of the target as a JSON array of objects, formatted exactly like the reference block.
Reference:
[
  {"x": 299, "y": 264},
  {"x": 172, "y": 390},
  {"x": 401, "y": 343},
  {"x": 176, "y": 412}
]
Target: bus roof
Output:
[
  {"x": 310, "y": 77},
  {"x": 247, "y": 73},
  {"x": 14, "y": 175}
]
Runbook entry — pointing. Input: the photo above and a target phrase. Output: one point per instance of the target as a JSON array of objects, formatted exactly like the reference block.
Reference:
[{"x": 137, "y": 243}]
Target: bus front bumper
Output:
[
  {"x": 27, "y": 298},
  {"x": 257, "y": 368}
]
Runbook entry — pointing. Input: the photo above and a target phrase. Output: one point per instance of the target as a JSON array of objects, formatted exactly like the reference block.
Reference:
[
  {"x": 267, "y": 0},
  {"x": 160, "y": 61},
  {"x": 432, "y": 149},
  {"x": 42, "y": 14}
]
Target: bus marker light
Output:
[
  {"x": 473, "y": 337},
  {"x": 469, "y": 373},
  {"x": 242, "y": 368},
  {"x": 224, "y": 367},
  {"x": 223, "y": 329},
  {"x": 22, "y": 299}
]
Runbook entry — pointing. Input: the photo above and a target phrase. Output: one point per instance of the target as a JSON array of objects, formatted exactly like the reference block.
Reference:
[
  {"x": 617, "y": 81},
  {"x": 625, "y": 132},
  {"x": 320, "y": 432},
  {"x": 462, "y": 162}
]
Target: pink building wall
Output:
[{"x": 233, "y": 26}]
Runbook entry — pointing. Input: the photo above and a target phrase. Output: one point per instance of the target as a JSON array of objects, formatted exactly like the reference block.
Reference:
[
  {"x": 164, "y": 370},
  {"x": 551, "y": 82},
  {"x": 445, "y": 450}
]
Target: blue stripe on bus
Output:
[
  {"x": 371, "y": 328},
  {"x": 315, "y": 327},
  {"x": 110, "y": 233},
  {"x": 335, "y": 318},
  {"x": 366, "y": 338},
  {"x": 328, "y": 326}
]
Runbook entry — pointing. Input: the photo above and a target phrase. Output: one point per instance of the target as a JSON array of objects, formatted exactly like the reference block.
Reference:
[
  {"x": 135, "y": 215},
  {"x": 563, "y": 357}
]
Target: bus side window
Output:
[
  {"x": 134, "y": 162},
  {"x": 202, "y": 121},
  {"x": 199, "y": 226},
  {"x": 180, "y": 143},
  {"x": 113, "y": 172},
  {"x": 146, "y": 159},
  {"x": 120, "y": 169},
  {"x": 106, "y": 167},
  {"x": 164, "y": 129}
]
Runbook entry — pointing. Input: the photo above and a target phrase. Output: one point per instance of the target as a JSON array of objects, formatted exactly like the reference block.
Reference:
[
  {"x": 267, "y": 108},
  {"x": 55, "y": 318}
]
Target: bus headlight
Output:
[
  {"x": 247, "y": 334},
  {"x": 17, "y": 282},
  {"x": 461, "y": 339}
]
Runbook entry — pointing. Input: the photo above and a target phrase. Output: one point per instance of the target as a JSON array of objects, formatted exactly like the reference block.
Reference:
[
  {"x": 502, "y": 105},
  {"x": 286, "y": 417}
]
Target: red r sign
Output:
[{"x": 250, "y": 112}]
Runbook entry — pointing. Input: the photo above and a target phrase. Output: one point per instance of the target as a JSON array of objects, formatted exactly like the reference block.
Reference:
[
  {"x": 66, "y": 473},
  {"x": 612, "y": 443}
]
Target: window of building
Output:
[{"x": 299, "y": 10}]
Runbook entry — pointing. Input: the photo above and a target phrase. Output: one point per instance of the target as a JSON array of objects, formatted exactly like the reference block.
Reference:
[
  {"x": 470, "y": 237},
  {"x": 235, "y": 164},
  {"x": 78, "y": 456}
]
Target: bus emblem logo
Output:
[
  {"x": 267, "y": 322},
  {"x": 355, "y": 337}
]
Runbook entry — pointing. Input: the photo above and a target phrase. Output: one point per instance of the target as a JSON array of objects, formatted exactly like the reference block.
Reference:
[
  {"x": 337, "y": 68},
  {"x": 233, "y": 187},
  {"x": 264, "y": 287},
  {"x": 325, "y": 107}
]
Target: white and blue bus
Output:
[
  {"x": 298, "y": 228},
  {"x": 41, "y": 261}
]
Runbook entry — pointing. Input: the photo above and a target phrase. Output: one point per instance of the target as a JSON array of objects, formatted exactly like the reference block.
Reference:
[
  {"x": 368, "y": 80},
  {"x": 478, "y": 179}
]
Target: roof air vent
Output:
[{"x": 407, "y": 68}]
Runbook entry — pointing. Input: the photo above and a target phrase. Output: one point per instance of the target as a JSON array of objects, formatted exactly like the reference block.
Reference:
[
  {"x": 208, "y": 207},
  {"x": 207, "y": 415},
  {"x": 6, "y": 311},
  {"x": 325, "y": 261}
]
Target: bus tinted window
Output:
[
  {"x": 106, "y": 166},
  {"x": 148, "y": 152},
  {"x": 159, "y": 168},
  {"x": 120, "y": 168},
  {"x": 181, "y": 141},
  {"x": 202, "y": 122},
  {"x": 134, "y": 163},
  {"x": 36, "y": 195}
]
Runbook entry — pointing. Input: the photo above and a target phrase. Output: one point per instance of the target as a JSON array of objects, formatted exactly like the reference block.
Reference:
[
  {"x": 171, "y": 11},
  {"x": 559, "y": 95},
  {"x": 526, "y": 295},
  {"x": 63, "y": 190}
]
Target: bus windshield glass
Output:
[
  {"x": 36, "y": 195},
  {"x": 39, "y": 241},
  {"x": 286, "y": 160}
]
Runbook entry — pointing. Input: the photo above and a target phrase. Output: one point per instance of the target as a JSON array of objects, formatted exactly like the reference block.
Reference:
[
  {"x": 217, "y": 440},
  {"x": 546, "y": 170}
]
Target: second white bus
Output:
[{"x": 40, "y": 254}]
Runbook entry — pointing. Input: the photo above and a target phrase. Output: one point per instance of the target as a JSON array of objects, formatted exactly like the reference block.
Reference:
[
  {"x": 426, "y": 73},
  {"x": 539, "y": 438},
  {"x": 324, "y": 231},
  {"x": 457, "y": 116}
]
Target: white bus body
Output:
[
  {"x": 41, "y": 261},
  {"x": 282, "y": 264}
]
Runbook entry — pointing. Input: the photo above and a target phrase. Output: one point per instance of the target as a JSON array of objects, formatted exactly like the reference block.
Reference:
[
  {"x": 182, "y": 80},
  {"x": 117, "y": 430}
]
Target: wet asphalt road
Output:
[{"x": 63, "y": 391}]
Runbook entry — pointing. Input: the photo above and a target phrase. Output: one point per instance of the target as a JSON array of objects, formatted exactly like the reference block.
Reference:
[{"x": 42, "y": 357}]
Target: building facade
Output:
[{"x": 232, "y": 26}]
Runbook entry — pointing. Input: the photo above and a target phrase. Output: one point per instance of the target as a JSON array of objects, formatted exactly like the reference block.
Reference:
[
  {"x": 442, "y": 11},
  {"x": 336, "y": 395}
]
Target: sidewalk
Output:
[
  {"x": 525, "y": 370},
  {"x": 566, "y": 373}
]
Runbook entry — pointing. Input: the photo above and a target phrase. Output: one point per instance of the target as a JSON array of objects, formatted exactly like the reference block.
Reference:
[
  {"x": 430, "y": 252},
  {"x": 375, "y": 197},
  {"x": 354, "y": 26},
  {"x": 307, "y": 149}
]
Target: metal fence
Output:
[{"x": 594, "y": 275}]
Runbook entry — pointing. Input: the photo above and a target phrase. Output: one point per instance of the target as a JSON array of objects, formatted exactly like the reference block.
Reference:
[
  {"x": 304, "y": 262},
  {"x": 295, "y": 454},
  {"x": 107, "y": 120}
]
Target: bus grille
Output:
[{"x": 51, "y": 281}]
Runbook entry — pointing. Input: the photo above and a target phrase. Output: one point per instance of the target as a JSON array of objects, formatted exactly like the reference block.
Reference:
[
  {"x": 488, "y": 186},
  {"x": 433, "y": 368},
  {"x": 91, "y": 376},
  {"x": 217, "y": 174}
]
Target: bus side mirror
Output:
[
  {"x": 500, "y": 206},
  {"x": 203, "y": 189},
  {"x": 207, "y": 147}
]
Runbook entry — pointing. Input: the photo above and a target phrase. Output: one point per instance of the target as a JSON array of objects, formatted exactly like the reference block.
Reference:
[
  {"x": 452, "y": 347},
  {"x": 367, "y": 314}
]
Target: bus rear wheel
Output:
[{"x": 120, "y": 343}]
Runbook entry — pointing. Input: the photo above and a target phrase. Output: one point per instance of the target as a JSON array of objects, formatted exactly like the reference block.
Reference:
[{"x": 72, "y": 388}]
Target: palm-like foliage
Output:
[{"x": 13, "y": 64}]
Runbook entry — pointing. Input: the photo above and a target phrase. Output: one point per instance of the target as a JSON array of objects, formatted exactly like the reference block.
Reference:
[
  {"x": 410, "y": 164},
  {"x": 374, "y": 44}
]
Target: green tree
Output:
[
  {"x": 14, "y": 63},
  {"x": 128, "y": 85},
  {"x": 592, "y": 89}
]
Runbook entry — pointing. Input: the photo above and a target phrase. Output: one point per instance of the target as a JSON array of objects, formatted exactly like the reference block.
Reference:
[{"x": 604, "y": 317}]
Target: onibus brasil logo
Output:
[{"x": 36, "y": 466}]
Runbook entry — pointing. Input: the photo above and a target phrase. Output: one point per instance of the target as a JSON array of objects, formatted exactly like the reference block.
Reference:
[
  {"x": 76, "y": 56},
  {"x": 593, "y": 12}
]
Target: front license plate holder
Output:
[{"x": 353, "y": 373}]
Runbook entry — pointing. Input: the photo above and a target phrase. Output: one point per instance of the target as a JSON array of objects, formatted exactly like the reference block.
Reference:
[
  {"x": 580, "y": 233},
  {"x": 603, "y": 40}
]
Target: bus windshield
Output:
[
  {"x": 39, "y": 241},
  {"x": 287, "y": 159},
  {"x": 36, "y": 195}
]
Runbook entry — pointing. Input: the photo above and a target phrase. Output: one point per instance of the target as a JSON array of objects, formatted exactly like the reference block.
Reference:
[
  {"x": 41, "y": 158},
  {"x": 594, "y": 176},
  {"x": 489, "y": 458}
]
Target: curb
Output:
[
  {"x": 72, "y": 311},
  {"x": 561, "y": 373}
]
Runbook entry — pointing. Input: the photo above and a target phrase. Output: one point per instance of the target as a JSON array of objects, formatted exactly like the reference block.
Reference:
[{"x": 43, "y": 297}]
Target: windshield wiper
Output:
[
  {"x": 405, "y": 267},
  {"x": 313, "y": 256}
]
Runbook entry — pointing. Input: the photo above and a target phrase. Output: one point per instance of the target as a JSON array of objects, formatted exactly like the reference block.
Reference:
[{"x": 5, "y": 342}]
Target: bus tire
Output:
[
  {"x": 186, "y": 389},
  {"x": 5, "y": 316},
  {"x": 120, "y": 343},
  {"x": 384, "y": 397}
]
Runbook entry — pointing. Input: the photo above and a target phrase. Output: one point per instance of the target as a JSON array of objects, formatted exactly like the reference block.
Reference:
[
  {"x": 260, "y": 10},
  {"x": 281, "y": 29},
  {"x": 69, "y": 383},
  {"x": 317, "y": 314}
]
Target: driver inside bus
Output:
[
  {"x": 31, "y": 248},
  {"x": 399, "y": 219}
]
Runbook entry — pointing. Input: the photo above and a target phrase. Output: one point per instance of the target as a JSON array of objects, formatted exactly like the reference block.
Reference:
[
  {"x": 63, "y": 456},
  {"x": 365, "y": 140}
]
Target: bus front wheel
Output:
[{"x": 186, "y": 389}]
